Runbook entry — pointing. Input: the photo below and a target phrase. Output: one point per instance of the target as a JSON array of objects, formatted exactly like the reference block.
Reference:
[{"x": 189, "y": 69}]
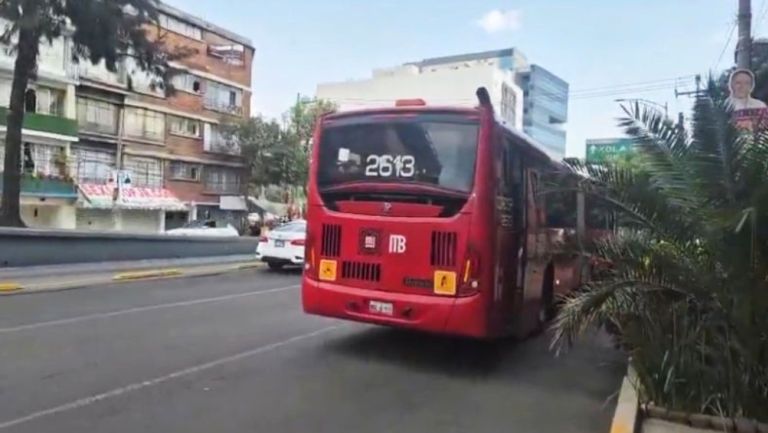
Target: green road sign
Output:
[{"x": 605, "y": 149}]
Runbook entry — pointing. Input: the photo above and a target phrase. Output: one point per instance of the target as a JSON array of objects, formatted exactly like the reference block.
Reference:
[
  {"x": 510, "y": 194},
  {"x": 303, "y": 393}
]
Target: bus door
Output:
[{"x": 510, "y": 207}]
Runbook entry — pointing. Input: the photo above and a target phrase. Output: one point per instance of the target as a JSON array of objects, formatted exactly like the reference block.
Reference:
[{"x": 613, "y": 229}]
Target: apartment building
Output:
[
  {"x": 109, "y": 150},
  {"x": 48, "y": 194},
  {"x": 147, "y": 162}
]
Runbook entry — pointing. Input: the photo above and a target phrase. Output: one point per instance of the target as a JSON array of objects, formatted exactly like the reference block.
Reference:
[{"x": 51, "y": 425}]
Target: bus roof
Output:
[{"x": 522, "y": 138}]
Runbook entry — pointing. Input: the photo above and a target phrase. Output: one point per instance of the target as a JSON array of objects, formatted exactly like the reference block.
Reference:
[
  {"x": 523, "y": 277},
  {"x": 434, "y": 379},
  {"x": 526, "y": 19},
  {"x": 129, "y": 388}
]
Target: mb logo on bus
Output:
[{"x": 396, "y": 244}]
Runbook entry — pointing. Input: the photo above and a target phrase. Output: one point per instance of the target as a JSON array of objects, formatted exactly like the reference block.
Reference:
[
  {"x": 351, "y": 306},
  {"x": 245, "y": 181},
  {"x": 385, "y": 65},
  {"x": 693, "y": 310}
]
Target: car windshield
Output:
[
  {"x": 436, "y": 149},
  {"x": 197, "y": 224},
  {"x": 292, "y": 227}
]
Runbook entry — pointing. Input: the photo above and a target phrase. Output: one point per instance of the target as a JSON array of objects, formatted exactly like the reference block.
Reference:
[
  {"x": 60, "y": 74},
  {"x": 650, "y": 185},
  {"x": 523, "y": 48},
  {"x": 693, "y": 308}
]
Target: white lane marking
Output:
[
  {"x": 87, "y": 401},
  {"x": 141, "y": 309}
]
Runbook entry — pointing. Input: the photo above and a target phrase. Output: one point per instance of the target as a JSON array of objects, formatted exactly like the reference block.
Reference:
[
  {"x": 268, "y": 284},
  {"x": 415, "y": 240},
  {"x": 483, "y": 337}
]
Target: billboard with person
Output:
[{"x": 748, "y": 112}]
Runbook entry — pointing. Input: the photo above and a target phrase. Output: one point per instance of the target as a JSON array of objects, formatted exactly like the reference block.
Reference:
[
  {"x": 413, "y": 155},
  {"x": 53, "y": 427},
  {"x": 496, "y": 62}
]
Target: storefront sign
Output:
[{"x": 103, "y": 196}]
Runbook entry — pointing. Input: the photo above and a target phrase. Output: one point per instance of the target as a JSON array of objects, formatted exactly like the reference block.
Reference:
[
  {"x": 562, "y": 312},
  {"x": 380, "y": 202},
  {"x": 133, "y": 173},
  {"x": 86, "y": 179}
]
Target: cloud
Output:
[{"x": 499, "y": 20}]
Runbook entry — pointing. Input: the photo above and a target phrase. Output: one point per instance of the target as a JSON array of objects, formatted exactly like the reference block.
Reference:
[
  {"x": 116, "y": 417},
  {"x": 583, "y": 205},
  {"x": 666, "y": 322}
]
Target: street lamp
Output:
[{"x": 648, "y": 102}]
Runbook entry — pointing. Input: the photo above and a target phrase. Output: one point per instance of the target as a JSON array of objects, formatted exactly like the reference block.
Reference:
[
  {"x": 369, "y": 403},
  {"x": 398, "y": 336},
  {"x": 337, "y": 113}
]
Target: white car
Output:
[
  {"x": 283, "y": 245},
  {"x": 205, "y": 228}
]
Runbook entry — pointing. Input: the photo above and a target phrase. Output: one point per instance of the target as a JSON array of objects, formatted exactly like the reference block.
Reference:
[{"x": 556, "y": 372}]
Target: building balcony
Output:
[
  {"x": 48, "y": 187},
  {"x": 98, "y": 128},
  {"x": 44, "y": 123},
  {"x": 222, "y": 188}
]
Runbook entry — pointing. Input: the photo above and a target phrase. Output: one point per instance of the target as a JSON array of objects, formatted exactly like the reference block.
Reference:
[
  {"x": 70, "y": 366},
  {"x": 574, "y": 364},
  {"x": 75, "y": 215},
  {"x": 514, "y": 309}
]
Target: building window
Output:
[
  {"x": 214, "y": 140},
  {"x": 175, "y": 25},
  {"x": 233, "y": 54},
  {"x": 92, "y": 166},
  {"x": 99, "y": 72},
  {"x": 5, "y": 92},
  {"x": 30, "y": 101},
  {"x": 50, "y": 101},
  {"x": 39, "y": 159},
  {"x": 184, "y": 126},
  {"x": 52, "y": 55},
  {"x": 145, "y": 172},
  {"x": 508, "y": 104},
  {"x": 43, "y": 160},
  {"x": 187, "y": 83},
  {"x": 220, "y": 97},
  {"x": 142, "y": 81},
  {"x": 97, "y": 116},
  {"x": 185, "y": 171},
  {"x": 222, "y": 180},
  {"x": 144, "y": 124}
]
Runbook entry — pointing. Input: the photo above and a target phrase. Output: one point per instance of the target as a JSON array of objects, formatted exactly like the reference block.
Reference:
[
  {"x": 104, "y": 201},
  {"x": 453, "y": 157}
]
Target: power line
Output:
[
  {"x": 725, "y": 47},
  {"x": 658, "y": 81},
  {"x": 763, "y": 11}
]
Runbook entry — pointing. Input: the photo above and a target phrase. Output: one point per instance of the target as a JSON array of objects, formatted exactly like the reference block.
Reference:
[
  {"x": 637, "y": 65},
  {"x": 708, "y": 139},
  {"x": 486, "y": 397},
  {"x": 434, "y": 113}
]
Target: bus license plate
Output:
[
  {"x": 379, "y": 307},
  {"x": 279, "y": 244}
]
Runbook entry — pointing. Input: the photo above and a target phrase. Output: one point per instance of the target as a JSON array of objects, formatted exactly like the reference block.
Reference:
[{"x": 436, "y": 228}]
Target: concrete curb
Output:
[
  {"x": 626, "y": 419},
  {"x": 16, "y": 289},
  {"x": 10, "y": 287},
  {"x": 141, "y": 275}
]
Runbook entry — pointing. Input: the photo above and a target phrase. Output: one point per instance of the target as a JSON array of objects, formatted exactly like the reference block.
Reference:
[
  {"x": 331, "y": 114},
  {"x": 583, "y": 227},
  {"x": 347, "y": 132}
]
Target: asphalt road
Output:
[{"x": 235, "y": 353}]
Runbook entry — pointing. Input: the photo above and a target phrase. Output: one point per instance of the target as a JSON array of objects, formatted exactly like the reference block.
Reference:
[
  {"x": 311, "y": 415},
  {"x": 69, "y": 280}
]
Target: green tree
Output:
[
  {"x": 303, "y": 116},
  {"x": 272, "y": 155},
  {"x": 100, "y": 30},
  {"x": 686, "y": 286}
]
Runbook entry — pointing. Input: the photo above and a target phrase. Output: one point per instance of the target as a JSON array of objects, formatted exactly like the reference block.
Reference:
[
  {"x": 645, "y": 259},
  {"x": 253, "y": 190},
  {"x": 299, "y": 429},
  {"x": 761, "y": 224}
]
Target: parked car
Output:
[
  {"x": 205, "y": 228},
  {"x": 284, "y": 245}
]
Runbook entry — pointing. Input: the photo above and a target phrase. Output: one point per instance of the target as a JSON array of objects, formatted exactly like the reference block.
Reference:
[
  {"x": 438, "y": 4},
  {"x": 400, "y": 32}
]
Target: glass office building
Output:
[
  {"x": 545, "y": 96},
  {"x": 545, "y": 100}
]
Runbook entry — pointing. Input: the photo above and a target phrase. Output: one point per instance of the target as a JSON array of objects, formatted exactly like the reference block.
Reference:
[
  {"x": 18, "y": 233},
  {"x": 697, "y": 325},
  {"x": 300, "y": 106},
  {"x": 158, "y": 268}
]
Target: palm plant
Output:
[{"x": 687, "y": 285}]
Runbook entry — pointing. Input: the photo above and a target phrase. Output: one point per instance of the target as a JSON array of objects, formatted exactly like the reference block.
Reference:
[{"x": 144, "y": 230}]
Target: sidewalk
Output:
[{"x": 63, "y": 277}]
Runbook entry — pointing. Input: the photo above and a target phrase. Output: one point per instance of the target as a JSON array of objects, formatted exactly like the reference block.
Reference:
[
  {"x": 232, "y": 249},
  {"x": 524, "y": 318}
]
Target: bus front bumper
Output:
[{"x": 464, "y": 316}]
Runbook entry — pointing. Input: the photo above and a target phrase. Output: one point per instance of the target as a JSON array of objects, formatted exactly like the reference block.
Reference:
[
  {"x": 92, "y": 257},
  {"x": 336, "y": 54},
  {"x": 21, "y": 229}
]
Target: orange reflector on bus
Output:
[
  {"x": 410, "y": 103},
  {"x": 327, "y": 270},
  {"x": 445, "y": 283}
]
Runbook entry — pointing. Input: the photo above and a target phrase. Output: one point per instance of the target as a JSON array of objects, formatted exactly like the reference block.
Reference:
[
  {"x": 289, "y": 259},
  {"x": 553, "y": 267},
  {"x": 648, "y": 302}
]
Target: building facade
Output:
[
  {"x": 546, "y": 108},
  {"x": 136, "y": 159},
  {"x": 48, "y": 192},
  {"x": 527, "y": 97},
  {"x": 437, "y": 87}
]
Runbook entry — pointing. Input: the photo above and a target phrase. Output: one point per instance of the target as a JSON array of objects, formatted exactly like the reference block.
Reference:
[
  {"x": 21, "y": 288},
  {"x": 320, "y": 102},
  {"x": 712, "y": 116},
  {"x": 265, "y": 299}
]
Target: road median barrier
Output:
[
  {"x": 10, "y": 287},
  {"x": 142, "y": 275}
]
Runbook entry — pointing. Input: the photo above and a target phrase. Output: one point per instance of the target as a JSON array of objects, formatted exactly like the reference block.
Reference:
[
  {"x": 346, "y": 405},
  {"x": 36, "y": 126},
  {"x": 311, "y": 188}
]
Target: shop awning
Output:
[{"x": 102, "y": 197}]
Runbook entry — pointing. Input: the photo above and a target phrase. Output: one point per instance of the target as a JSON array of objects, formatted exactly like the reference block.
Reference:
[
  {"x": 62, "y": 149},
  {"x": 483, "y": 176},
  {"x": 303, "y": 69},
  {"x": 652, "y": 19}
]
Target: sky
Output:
[{"x": 650, "y": 47}]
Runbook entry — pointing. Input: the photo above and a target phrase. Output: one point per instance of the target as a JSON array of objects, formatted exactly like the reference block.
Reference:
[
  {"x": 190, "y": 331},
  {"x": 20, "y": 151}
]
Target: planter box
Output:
[{"x": 630, "y": 418}]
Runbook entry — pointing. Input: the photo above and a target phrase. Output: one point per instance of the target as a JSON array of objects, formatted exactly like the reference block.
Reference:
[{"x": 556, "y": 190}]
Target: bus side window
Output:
[
  {"x": 502, "y": 176},
  {"x": 515, "y": 178}
]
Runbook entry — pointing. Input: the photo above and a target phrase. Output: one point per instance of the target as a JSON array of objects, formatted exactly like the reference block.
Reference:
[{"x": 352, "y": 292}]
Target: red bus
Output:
[{"x": 426, "y": 218}]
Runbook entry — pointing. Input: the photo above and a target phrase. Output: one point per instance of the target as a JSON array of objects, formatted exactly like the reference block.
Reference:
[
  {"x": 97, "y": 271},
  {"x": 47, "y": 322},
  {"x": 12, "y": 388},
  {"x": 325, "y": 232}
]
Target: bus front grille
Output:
[
  {"x": 443, "y": 252},
  {"x": 361, "y": 271},
  {"x": 331, "y": 241}
]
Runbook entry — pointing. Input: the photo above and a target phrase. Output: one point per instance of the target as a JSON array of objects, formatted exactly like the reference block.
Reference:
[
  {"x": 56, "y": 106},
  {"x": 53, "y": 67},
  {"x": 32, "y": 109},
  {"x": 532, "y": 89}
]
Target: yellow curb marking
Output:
[
  {"x": 157, "y": 273},
  {"x": 7, "y": 287},
  {"x": 251, "y": 265}
]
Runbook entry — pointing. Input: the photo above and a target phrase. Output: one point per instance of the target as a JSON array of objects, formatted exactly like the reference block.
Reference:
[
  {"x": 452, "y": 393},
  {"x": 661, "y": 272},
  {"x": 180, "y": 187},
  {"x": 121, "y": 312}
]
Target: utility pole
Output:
[
  {"x": 696, "y": 92},
  {"x": 744, "y": 45}
]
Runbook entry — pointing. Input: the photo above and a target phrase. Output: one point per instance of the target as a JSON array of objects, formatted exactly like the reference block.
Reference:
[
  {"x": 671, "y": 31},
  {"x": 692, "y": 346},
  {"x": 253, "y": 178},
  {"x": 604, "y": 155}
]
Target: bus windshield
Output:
[{"x": 435, "y": 149}]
